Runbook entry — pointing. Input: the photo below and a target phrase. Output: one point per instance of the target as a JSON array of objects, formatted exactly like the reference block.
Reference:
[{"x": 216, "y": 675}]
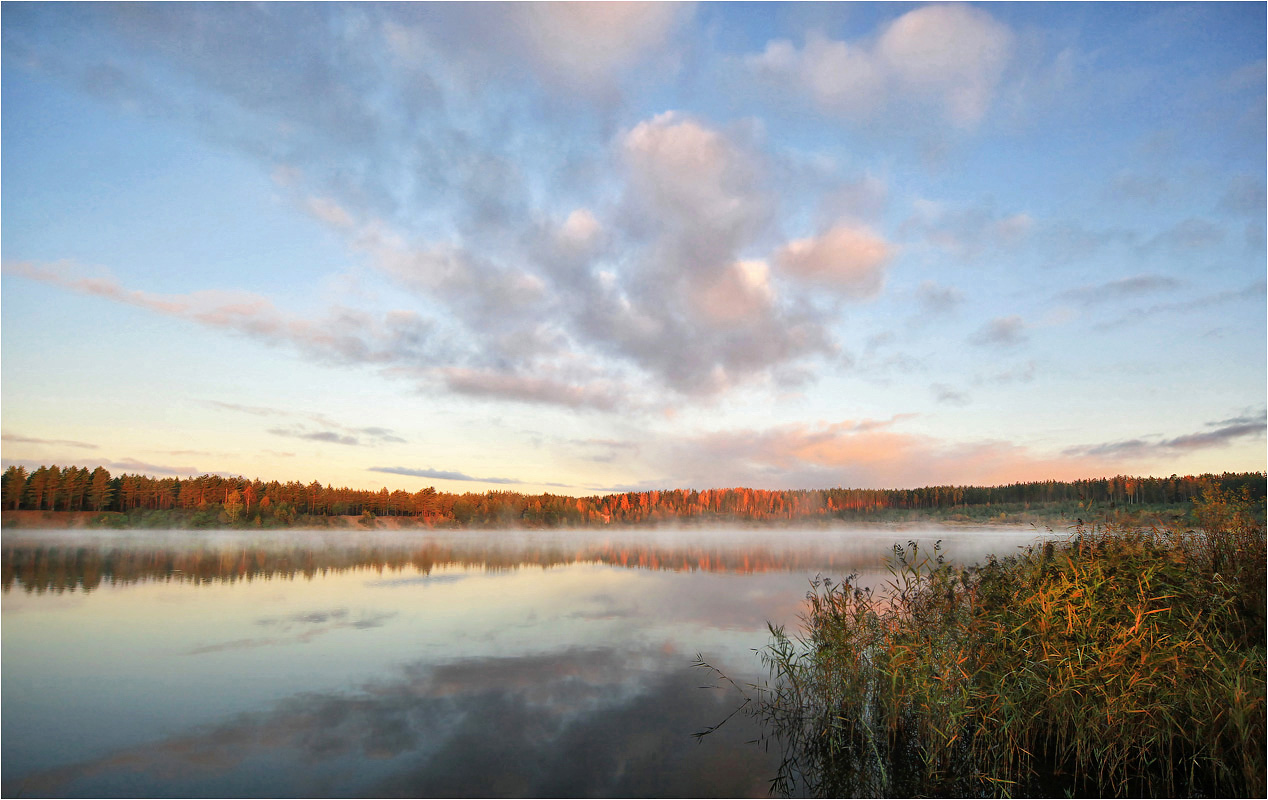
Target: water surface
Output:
[{"x": 468, "y": 663}]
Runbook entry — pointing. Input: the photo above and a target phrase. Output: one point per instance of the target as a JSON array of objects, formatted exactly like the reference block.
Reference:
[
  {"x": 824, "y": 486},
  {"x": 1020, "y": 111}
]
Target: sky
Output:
[{"x": 578, "y": 248}]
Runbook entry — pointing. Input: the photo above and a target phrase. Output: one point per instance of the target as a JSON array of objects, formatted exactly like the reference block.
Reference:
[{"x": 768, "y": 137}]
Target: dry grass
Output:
[{"x": 1120, "y": 662}]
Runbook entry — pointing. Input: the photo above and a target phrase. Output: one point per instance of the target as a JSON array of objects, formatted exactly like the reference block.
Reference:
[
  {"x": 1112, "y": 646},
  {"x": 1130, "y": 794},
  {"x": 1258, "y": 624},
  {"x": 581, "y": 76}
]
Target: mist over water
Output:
[{"x": 373, "y": 663}]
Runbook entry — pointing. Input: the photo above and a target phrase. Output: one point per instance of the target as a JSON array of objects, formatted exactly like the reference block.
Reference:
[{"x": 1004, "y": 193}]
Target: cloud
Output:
[
  {"x": 588, "y": 45},
  {"x": 654, "y": 287},
  {"x": 1070, "y": 242},
  {"x": 141, "y": 467},
  {"x": 333, "y": 433},
  {"x": 368, "y": 437},
  {"x": 866, "y": 453},
  {"x": 1116, "y": 291},
  {"x": 573, "y": 50},
  {"x": 329, "y": 212},
  {"x": 694, "y": 185},
  {"x": 1245, "y": 195},
  {"x": 936, "y": 299},
  {"x": 683, "y": 305},
  {"x": 879, "y": 453},
  {"x": 530, "y": 389},
  {"x": 742, "y": 292},
  {"x": 15, "y": 439},
  {"x": 259, "y": 411},
  {"x": 1002, "y": 332},
  {"x": 1141, "y": 188},
  {"x": 1221, "y": 434},
  {"x": 946, "y": 394},
  {"x": 1022, "y": 373},
  {"x": 441, "y": 475},
  {"x": 847, "y": 258},
  {"x": 1185, "y": 237},
  {"x": 580, "y": 230},
  {"x": 330, "y": 437},
  {"x": 949, "y": 58},
  {"x": 1253, "y": 291},
  {"x": 424, "y": 730},
  {"x": 967, "y": 233},
  {"x": 343, "y": 336}
]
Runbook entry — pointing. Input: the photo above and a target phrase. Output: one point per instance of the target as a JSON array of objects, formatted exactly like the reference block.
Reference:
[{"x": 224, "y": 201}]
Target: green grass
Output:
[{"x": 1119, "y": 662}]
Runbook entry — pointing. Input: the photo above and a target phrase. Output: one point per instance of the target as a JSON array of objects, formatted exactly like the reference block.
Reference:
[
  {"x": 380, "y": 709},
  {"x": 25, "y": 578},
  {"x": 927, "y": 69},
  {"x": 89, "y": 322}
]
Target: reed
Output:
[{"x": 1119, "y": 662}]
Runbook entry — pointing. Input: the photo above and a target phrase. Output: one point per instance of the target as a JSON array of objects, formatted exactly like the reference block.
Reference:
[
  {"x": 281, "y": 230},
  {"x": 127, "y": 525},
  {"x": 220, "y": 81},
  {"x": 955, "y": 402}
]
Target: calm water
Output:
[{"x": 459, "y": 664}]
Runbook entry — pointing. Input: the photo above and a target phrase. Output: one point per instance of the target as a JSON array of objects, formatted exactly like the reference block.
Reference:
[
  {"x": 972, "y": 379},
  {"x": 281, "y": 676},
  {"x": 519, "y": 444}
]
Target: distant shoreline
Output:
[{"x": 172, "y": 519}]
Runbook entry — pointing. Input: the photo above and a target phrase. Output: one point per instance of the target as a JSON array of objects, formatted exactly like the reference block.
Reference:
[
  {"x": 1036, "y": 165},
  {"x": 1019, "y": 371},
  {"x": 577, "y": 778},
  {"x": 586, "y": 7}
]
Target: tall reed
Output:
[{"x": 1119, "y": 662}]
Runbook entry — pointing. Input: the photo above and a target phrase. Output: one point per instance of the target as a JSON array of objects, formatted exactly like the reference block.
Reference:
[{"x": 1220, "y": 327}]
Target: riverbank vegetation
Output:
[
  {"x": 1123, "y": 662},
  {"x": 214, "y": 501}
]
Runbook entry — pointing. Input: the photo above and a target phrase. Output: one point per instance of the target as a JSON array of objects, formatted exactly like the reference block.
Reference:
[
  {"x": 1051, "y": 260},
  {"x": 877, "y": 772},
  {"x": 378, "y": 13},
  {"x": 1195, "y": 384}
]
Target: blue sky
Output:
[{"x": 580, "y": 247}]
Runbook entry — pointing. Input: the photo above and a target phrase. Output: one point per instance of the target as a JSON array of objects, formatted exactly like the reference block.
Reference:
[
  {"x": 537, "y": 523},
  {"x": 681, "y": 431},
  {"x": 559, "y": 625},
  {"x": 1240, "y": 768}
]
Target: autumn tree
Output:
[
  {"x": 100, "y": 492},
  {"x": 14, "y": 486}
]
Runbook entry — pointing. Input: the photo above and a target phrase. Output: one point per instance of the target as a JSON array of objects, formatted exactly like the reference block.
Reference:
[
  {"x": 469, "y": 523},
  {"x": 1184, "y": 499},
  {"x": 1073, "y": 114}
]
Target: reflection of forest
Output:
[{"x": 41, "y": 569}]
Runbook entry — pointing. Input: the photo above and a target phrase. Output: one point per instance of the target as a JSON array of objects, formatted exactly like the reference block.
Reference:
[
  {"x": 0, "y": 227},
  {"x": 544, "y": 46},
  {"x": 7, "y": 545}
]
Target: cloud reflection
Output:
[
  {"x": 315, "y": 623},
  {"x": 580, "y": 722}
]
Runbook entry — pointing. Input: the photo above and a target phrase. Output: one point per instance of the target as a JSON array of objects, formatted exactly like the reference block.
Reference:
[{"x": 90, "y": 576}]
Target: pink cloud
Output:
[
  {"x": 856, "y": 453},
  {"x": 849, "y": 258}
]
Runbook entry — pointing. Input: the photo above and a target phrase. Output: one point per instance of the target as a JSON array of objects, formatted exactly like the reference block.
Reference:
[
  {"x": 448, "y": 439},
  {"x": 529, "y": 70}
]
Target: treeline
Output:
[{"x": 208, "y": 500}]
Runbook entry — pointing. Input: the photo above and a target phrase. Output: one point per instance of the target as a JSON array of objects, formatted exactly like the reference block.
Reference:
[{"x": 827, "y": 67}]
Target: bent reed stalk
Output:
[{"x": 1119, "y": 662}]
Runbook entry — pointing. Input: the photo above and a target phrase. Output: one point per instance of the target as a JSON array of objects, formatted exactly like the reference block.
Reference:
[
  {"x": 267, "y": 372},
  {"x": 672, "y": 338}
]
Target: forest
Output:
[{"x": 217, "y": 501}]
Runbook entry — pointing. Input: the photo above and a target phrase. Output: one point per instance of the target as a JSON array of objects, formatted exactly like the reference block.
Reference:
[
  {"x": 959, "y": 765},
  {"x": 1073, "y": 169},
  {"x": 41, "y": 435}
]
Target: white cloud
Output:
[
  {"x": 584, "y": 44},
  {"x": 949, "y": 56},
  {"x": 690, "y": 178},
  {"x": 954, "y": 53},
  {"x": 580, "y": 230}
]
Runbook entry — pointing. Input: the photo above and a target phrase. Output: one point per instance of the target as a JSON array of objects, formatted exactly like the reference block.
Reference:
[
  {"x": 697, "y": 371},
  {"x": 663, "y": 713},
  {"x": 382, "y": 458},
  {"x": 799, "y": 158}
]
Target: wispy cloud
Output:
[
  {"x": 259, "y": 411},
  {"x": 533, "y": 389},
  {"x": 1185, "y": 238},
  {"x": 14, "y": 438},
  {"x": 1221, "y": 433},
  {"x": 1255, "y": 291},
  {"x": 328, "y": 430},
  {"x": 948, "y": 395},
  {"x": 1247, "y": 195},
  {"x": 146, "y": 468},
  {"x": 937, "y": 299},
  {"x": 328, "y": 437},
  {"x": 968, "y": 233},
  {"x": 1118, "y": 290},
  {"x": 362, "y": 436},
  {"x": 443, "y": 475},
  {"x": 344, "y": 335},
  {"x": 1002, "y": 332}
]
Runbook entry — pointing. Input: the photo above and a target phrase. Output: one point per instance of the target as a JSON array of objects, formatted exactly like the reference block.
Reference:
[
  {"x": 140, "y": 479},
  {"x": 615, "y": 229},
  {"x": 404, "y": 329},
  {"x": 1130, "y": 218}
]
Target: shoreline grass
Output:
[{"x": 1123, "y": 661}]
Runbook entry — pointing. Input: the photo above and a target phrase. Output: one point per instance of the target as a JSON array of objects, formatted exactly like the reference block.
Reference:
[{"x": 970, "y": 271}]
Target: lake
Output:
[{"x": 442, "y": 663}]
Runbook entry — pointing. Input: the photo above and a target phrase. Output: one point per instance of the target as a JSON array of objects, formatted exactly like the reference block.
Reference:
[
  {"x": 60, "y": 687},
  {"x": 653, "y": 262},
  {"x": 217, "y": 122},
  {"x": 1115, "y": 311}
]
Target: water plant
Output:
[{"x": 1116, "y": 662}]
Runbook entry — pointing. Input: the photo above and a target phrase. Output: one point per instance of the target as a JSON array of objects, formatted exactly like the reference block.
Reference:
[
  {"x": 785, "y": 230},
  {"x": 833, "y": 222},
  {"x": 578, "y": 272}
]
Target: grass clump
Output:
[{"x": 1119, "y": 662}]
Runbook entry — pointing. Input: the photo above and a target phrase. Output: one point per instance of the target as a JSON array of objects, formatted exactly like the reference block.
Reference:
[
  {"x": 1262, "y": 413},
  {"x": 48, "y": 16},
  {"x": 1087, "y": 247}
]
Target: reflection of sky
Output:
[
  {"x": 574, "y": 723},
  {"x": 366, "y": 681}
]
